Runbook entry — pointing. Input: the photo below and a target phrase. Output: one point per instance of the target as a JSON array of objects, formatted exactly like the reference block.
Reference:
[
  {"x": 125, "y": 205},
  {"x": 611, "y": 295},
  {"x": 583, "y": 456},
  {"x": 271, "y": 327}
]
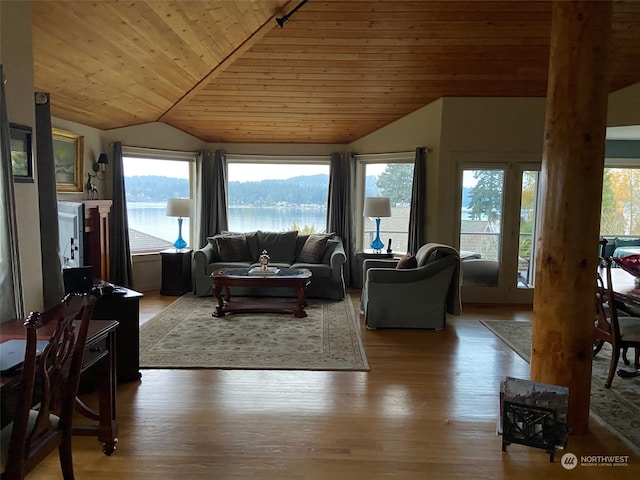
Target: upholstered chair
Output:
[{"x": 416, "y": 297}]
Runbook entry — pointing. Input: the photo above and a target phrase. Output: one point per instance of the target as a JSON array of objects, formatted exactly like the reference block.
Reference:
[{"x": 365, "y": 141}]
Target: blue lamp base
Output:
[
  {"x": 377, "y": 244},
  {"x": 180, "y": 243}
]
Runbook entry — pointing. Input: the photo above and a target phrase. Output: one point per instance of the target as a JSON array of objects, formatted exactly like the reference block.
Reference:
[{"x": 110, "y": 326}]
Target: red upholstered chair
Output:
[{"x": 47, "y": 390}]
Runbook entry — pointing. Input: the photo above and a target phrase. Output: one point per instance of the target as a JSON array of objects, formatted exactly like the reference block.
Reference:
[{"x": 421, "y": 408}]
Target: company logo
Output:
[{"x": 569, "y": 461}]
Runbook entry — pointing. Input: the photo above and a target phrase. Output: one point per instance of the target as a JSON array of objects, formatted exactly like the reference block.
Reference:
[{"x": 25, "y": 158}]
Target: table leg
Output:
[
  {"x": 300, "y": 303},
  {"x": 107, "y": 428},
  {"x": 217, "y": 292}
]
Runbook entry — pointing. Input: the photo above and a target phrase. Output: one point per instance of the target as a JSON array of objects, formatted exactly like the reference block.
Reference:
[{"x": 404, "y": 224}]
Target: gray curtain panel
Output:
[
  {"x": 200, "y": 227},
  {"x": 120, "y": 266},
  {"x": 211, "y": 184},
  {"x": 10, "y": 278},
  {"x": 340, "y": 207},
  {"x": 418, "y": 212},
  {"x": 52, "y": 285}
]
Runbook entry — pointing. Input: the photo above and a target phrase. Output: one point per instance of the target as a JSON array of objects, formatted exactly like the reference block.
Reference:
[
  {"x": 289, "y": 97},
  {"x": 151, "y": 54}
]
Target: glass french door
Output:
[
  {"x": 498, "y": 266},
  {"x": 481, "y": 222}
]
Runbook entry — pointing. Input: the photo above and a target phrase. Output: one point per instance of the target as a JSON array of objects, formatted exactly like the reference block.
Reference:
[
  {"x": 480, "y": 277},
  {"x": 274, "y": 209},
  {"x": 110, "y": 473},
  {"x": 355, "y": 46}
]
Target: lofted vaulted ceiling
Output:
[{"x": 224, "y": 71}]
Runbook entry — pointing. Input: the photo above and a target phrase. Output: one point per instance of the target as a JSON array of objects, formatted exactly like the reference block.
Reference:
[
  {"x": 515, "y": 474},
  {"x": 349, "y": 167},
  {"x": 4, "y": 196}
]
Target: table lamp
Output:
[
  {"x": 179, "y": 207},
  {"x": 377, "y": 207}
]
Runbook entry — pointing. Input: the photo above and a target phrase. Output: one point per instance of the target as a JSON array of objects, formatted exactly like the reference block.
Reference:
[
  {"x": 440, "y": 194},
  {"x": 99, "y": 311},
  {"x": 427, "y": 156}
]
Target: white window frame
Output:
[
  {"x": 171, "y": 155},
  {"x": 362, "y": 160},
  {"x": 279, "y": 160}
]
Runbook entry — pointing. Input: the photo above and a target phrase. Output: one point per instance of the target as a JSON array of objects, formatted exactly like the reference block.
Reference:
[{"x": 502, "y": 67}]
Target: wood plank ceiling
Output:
[{"x": 223, "y": 71}]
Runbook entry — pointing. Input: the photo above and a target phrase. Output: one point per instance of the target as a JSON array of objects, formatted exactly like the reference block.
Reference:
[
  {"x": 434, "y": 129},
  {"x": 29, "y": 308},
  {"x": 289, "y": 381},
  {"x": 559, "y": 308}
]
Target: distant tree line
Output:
[{"x": 301, "y": 190}]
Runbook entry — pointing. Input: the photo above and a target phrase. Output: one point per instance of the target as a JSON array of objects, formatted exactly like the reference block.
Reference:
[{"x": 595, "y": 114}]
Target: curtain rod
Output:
[{"x": 373, "y": 155}]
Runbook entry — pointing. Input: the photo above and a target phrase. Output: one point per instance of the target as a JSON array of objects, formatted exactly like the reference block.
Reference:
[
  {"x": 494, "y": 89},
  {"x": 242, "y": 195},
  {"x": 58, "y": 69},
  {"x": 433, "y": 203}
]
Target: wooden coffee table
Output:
[{"x": 298, "y": 278}]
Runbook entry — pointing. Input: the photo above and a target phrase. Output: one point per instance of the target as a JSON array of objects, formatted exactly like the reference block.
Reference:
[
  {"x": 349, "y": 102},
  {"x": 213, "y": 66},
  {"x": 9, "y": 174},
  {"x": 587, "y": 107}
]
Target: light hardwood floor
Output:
[{"x": 427, "y": 409}]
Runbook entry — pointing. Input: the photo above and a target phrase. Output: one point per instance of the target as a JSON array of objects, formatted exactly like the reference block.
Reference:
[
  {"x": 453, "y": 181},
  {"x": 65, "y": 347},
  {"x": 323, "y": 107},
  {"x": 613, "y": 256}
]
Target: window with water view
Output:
[
  {"x": 393, "y": 180},
  {"x": 278, "y": 196},
  {"x": 149, "y": 183}
]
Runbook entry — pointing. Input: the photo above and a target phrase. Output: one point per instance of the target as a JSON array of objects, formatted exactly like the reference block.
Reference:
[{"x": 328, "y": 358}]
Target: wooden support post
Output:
[{"x": 571, "y": 182}]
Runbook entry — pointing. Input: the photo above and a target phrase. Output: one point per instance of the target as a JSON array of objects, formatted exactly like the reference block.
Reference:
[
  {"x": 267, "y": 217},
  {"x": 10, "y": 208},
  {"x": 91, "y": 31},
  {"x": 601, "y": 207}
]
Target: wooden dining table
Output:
[
  {"x": 625, "y": 287},
  {"x": 99, "y": 358}
]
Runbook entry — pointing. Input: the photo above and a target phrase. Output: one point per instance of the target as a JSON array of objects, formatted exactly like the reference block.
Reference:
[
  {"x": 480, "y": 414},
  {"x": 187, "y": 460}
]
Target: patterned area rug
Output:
[
  {"x": 618, "y": 408},
  {"x": 186, "y": 335}
]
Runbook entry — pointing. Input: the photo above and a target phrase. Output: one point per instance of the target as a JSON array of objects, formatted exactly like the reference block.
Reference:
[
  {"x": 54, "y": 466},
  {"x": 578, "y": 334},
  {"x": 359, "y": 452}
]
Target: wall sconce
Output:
[{"x": 100, "y": 166}]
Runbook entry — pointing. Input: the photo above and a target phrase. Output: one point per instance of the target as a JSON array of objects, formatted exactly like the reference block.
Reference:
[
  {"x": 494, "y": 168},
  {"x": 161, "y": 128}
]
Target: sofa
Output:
[{"x": 323, "y": 254}]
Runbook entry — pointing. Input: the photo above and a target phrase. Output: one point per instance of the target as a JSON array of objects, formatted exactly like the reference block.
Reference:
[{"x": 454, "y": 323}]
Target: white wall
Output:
[
  {"x": 624, "y": 107},
  {"x": 17, "y": 61},
  {"x": 93, "y": 147}
]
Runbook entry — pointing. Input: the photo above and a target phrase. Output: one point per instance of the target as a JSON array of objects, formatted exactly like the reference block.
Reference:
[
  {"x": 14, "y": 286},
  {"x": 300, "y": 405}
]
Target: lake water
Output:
[{"x": 151, "y": 219}]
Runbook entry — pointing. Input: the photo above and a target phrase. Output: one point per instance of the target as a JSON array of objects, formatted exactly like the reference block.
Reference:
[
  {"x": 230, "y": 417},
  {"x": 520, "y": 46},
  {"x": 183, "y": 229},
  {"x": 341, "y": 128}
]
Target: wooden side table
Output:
[
  {"x": 176, "y": 271},
  {"x": 361, "y": 256}
]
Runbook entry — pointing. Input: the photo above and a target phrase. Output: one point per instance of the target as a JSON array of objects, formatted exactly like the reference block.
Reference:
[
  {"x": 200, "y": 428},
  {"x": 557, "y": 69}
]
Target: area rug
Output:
[
  {"x": 618, "y": 408},
  {"x": 186, "y": 335}
]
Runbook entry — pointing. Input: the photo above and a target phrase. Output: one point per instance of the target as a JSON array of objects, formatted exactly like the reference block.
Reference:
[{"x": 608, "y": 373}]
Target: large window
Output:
[
  {"x": 388, "y": 175},
  {"x": 528, "y": 227},
  {"x": 277, "y": 194},
  {"x": 620, "y": 202},
  {"x": 149, "y": 183}
]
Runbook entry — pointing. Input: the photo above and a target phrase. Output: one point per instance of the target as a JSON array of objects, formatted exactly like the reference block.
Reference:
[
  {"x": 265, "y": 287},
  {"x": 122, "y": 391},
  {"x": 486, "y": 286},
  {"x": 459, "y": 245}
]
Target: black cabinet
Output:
[
  {"x": 124, "y": 306},
  {"x": 176, "y": 271}
]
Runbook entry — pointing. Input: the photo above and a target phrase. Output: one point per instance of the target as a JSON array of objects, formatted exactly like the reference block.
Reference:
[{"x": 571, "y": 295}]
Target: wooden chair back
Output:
[
  {"x": 608, "y": 323},
  {"x": 607, "y": 326},
  {"x": 46, "y": 396}
]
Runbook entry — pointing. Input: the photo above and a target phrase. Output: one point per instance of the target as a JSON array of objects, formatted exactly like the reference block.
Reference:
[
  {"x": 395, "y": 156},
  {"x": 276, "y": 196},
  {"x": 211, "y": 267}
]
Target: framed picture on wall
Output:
[
  {"x": 21, "y": 155},
  {"x": 68, "y": 154}
]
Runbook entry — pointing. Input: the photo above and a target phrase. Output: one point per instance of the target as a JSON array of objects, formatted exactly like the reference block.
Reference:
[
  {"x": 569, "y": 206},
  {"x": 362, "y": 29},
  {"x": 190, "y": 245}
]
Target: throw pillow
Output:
[
  {"x": 407, "y": 261},
  {"x": 232, "y": 248},
  {"x": 313, "y": 249},
  {"x": 281, "y": 246}
]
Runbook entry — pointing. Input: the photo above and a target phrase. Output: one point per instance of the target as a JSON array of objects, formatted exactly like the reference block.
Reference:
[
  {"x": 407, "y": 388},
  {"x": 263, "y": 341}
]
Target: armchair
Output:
[{"x": 416, "y": 297}]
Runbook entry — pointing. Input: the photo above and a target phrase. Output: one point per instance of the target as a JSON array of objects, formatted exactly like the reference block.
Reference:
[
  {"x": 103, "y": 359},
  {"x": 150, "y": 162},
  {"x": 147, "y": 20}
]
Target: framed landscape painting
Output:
[
  {"x": 68, "y": 151},
  {"x": 21, "y": 155}
]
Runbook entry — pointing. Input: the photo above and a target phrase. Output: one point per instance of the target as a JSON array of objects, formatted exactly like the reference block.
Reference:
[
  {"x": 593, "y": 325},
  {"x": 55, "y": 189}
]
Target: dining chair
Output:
[
  {"x": 47, "y": 389},
  {"x": 621, "y": 332}
]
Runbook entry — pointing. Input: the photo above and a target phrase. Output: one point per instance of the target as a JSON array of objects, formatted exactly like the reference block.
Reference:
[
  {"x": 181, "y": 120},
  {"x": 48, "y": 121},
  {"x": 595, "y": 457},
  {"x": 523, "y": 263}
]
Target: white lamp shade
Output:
[
  {"x": 377, "y": 207},
  {"x": 179, "y": 207}
]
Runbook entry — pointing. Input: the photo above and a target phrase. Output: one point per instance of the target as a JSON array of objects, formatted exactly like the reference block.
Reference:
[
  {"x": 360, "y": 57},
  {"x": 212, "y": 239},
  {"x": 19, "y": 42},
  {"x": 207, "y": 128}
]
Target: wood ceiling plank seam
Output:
[
  {"x": 326, "y": 94},
  {"x": 348, "y": 77},
  {"x": 383, "y": 58},
  {"x": 406, "y": 42},
  {"x": 416, "y": 68},
  {"x": 190, "y": 29},
  {"x": 330, "y": 82},
  {"x": 167, "y": 49},
  {"x": 119, "y": 67},
  {"x": 264, "y": 48},
  {"x": 417, "y": 24},
  {"x": 409, "y": 31},
  {"x": 256, "y": 36},
  {"x": 421, "y": 6}
]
